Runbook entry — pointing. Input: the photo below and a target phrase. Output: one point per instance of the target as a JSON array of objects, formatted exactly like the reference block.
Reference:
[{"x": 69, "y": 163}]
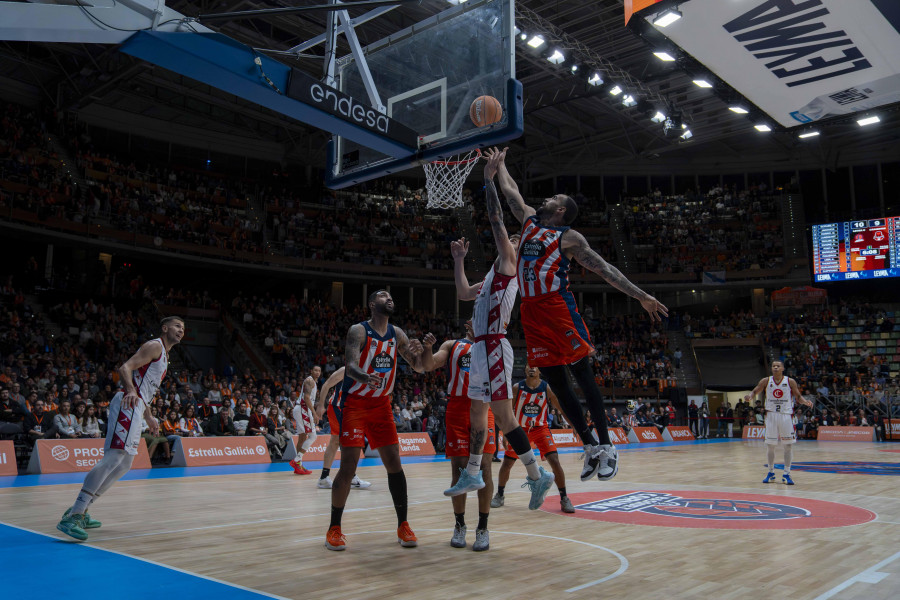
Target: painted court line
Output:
[
  {"x": 870, "y": 575},
  {"x": 156, "y": 564},
  {"x": 623, "y": 562}
]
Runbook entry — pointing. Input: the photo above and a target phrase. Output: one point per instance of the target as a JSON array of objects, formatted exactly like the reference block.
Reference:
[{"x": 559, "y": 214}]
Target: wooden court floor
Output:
[{"x": 265, "y": 531}]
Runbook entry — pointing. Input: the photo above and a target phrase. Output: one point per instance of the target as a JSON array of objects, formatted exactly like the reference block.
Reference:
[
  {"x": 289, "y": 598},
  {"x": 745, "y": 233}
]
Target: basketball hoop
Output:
[{"x": 444, "y": 179}]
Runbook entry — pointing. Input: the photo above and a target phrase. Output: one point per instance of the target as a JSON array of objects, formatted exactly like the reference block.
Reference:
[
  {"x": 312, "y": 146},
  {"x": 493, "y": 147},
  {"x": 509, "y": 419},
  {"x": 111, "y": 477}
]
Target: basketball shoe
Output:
[
  {"x": 467, "y": 483},
  {"x": 360, "y": 484},
  {"x": 334, "y": 539},
  {"x": 769, "y": 478},
  {"x": 325, "y": 483},
  {"x": 299, "y": 469},
  {"x": 459, "y": 537},
  {"x": 482, "y": 540},
  {"x": 566, "y": 505},
  {"x": 497, "y": 501},
  {"x": 591, "y": 462},
  {"x": 89, "y": 523},
  {"x": 786, "y": 479},
  {"x": 406, "y": 537},
  {"x": 609, "y": 462},
  {"x": 539, "y": 488},
  {"x": 73, "y": 525}
]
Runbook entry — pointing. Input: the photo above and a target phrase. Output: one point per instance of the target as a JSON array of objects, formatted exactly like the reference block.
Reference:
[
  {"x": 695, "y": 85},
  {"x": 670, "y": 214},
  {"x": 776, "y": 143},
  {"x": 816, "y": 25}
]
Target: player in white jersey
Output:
[
  {"x": 325, "y": 407},
  {"x": 490, "y": 376},
  {"x": 141, "y": 376},
  {"x": 303, "y": 415},
  {"x": 781, "y": 392}
]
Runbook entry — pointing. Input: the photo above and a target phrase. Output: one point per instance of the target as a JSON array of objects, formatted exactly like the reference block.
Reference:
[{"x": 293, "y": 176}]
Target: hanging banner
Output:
[{"x": 800, "y": 62}]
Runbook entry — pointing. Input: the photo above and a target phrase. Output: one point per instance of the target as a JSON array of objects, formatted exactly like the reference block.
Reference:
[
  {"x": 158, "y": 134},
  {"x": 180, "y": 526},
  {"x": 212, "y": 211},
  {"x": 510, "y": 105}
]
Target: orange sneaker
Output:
[
  {"x": 335, "y": 540},
  {"x": 406, "y": 537},
  {"x": 299, "y": 469}
]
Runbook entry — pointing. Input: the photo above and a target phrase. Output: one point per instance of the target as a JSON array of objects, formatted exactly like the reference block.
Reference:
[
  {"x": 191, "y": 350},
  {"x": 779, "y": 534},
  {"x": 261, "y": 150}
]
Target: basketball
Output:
[{"x": 485, "y": 110}]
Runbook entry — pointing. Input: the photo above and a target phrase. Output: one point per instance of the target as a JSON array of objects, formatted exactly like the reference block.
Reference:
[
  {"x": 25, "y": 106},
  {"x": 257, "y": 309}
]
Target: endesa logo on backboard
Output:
[{"x": 713, "y": 510}]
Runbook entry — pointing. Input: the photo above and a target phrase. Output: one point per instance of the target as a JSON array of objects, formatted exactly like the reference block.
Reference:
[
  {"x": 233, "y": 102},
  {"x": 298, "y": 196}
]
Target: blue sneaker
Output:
[
  {"x": 467, "y": 483},
  {"x": 769, "y": 478},
  {"x": 539, "y": 488},
  {"x": 786, "y": 479},
  {"x": 89, "y": 522}
]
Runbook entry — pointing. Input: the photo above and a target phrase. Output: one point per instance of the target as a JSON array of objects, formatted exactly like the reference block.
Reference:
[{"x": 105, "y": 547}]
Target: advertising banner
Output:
[
  {"x": 754, "y": 432},
  {"x": 644, "y": 435},
  {"x": 214, "y": 451},
  {"x": 416, "y": 444},
  {"x": 7, "y": 459},
  {"x": 678, "y": 434},
  {"x": 798, "y": 61},
  {"x": 71, "y": 456},
  {"x": 566, "y": 438},
  {"x": 846, "y": 434}
]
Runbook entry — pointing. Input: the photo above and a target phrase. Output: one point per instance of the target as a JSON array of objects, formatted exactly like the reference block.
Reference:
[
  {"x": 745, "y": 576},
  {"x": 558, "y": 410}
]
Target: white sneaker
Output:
[
  {"x": 609, "y": 462},
  {"x": 324, "y": 484},
  {"x": 360, "y": 484},
  {"x": 591, "y": 462}
]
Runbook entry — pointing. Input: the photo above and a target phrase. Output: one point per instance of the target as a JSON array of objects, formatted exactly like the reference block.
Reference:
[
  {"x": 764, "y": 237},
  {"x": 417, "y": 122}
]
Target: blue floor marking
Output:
[
  {"x": 41, "y": 566},
  {"x": 175, "y": 472}
]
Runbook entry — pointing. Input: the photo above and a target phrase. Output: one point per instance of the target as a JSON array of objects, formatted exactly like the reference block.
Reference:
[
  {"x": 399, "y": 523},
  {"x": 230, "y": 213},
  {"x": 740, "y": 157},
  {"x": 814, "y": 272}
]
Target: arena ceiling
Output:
[{"x": 570, "y": 127}]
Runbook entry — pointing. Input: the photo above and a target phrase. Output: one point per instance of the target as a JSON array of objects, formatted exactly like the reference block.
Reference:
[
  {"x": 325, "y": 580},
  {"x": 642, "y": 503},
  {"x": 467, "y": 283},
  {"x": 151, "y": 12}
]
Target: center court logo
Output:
[
  {"x": 715, "y": 510},
  {"x": 60, "y": 453}
]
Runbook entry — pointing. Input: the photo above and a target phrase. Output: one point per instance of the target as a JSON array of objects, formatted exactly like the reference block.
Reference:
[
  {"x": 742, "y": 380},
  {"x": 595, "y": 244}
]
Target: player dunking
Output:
[
  {"x": 492, "y": 356},
  {"x": 456, "y": 354},
  {"x": 141, "y": 376},
  {"x": 780, "y": 394},
  {"x": 555, "y": 334},
  {"x": 325, "y": 404},
  {"x": 531, "y": 399},
  {"x": 370, "y": 363}
]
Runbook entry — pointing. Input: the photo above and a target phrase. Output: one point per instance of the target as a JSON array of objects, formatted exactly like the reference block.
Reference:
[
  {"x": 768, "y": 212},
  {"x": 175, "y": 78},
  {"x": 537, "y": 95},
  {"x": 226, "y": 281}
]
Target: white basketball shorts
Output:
[
  {"x": 780, "y": 429},
  {"x": 490, "y": 372}
]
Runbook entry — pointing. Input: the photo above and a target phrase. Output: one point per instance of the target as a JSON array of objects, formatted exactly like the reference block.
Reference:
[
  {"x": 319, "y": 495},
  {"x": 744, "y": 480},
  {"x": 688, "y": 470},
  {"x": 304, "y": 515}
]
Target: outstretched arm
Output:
[
  {"x": 495, "y": 217},
  {"x": 509, "y": 188},
  {"x": 441, "y": 357},
  {"x": 575, "y": 244},
  {"x": 458, "y": 250}
]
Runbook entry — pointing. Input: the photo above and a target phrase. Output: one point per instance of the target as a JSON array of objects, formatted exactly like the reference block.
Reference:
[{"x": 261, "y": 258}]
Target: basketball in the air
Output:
[{"x": 485, "y": 110}]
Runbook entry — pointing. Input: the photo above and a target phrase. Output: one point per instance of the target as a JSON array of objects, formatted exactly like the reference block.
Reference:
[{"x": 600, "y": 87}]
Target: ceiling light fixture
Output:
[
  {"x": 664, "y": 56},
  {"x": 666, "y": 18},
  {"x": 738, "y": 109},
  {"x": 702, "y": 83},
  {"x": 536, "y": 41}
]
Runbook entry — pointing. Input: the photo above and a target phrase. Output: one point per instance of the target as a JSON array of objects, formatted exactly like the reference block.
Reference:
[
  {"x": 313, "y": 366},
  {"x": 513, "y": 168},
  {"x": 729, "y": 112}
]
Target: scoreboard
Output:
[{"x": 860, "y": 249}]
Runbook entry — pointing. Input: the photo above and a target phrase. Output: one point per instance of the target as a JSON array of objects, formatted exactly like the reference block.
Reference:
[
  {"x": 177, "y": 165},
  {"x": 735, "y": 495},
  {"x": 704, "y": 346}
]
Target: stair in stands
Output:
[
  {"x": 627, "y": 263},
  {"x": 688, "y": 374}
]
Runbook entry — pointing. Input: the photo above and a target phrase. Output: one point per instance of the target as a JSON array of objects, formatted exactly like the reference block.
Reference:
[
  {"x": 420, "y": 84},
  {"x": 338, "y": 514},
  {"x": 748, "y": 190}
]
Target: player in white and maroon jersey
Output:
[
  {"x": 457, "y": 356},
  {"x": 325, "y": 406},
  {"x": 364, "y": 409},
  {"x": 555, "y": 334},
  {"x": 141, "y": 376},
  {"x": 531, "y": 399},
  {"x": 303, "y": 413},
  {"x": 490, "y": 378},
  {"x": 780, "y": 394}
]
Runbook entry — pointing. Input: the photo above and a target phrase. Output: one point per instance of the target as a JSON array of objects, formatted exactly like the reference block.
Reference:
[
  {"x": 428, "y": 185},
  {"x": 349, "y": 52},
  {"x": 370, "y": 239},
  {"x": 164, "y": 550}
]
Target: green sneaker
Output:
[
  {"x": 73, "y": 525},
  {"x": 89, "y": 523}
]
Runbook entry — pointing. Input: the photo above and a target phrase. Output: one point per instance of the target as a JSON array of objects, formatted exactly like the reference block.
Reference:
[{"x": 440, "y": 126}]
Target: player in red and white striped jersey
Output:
[
  {"x": 531, "y": 399},
  {"x": 303, "y": 413},
  {"x": 490, "y": 378},
  {"x": 364, "y": 412},
  {"x": 141, "y": 376},
  {"x": 457, "y": 356},
  {"x": 555, "y": 334}
]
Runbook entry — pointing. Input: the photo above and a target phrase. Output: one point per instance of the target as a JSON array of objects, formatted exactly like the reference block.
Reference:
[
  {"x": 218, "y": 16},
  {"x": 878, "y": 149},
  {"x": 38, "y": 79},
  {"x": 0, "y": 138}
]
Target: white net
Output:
[{"x": 444, "y": 179}]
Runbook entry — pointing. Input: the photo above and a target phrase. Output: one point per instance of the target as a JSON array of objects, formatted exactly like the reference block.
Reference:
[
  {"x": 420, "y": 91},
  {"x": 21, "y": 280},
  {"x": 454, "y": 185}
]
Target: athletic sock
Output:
[
  {"x": 397, "y": 487},
  {"x": 482, "y": 520},
  {"x": 336, "y": 514},
  {"x": 81, "y": 503},
  {"x": 518, "y": 439},
  {"x": 460, "y": 519},
  {"x": 562, "y": 492},
  {"x": 788, "y": 457},
  {"x": 500, "y": 489},
  {"x": 325, "y": 473},
  {"x": 770, "y": 455},
  {"x": 474, "y": 464}
]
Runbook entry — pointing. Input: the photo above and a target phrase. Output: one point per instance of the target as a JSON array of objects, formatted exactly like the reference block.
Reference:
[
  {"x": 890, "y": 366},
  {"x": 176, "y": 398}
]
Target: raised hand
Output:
[
  {"x": 655, "y": 308},
  {"x": 415, "y": 347},
  {"x": 459, "y": 248},
  {"x": 429, "y": 340},
  {"x": 494, "y": 157}
]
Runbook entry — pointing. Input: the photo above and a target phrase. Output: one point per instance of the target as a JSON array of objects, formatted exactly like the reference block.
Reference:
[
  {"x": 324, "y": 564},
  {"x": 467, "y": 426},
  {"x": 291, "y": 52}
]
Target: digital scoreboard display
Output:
[{"x": 853, "y": 250}]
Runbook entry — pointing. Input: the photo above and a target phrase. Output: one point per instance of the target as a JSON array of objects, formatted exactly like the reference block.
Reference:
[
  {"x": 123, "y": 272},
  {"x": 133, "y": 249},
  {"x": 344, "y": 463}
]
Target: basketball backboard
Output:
[{"x": 426, "y": 77}]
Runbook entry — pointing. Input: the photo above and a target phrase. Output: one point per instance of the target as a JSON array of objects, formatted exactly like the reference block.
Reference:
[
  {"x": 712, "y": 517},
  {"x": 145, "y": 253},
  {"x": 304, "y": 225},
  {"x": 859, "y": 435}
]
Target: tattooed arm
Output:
[
  {"x": 414, "y": 352},
  {"x": 356, "y": 337},
  {"x": 509, "y": 188},
  {"x": 505, "y": 248},
  {"x": 576, "y": 246}
]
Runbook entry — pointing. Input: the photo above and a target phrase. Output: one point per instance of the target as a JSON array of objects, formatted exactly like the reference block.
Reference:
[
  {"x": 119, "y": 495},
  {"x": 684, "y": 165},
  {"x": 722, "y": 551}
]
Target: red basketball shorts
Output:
[
  {"x": 539, "y": 436},
  {"x": 333, "y": 424},
  {"x": 457, "y": 421},
  {"x": 555, "y": 333},
  {"x": 371, "y": 418}
]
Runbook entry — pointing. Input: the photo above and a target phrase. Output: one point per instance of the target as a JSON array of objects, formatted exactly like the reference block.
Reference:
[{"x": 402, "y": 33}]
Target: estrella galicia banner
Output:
[
  {"x": 799, "y": 61},
  {"x": 713, "y": 510}
]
